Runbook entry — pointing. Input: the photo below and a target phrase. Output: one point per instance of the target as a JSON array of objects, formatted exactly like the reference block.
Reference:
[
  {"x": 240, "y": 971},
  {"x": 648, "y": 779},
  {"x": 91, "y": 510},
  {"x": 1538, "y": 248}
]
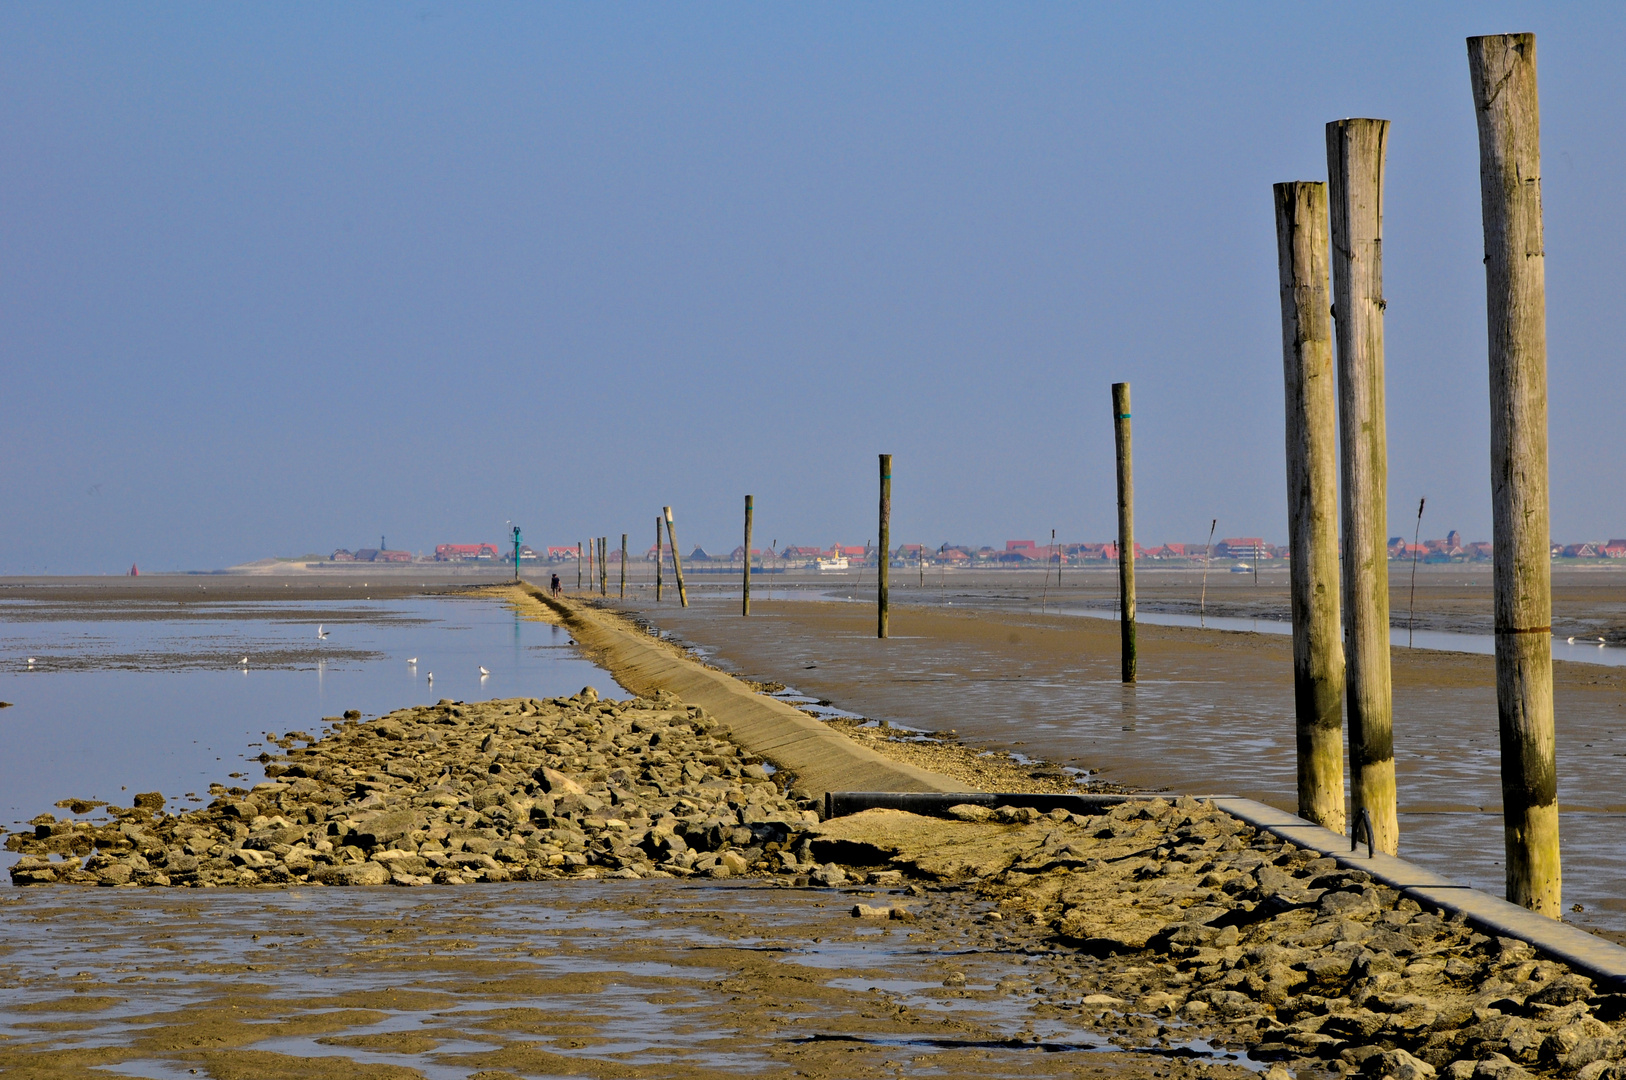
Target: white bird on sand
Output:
[
  {"x": 244, "y": 661},
  {"x": 321, "y": 634},
  {"x": 484, "y": 673},
  {"x": 30, "y": 661}
]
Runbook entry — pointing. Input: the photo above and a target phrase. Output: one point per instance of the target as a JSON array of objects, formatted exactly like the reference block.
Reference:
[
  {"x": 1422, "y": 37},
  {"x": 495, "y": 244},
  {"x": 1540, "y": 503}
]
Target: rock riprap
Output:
[
  {"x": 516, "y": 789},
  {"x": 1185, "y": 917}
]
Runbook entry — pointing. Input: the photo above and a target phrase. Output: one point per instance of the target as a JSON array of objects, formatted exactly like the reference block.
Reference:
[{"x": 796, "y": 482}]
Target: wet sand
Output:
[
  {"x": 598, "y": 979},
  {"x": 1211, "y": 714}
]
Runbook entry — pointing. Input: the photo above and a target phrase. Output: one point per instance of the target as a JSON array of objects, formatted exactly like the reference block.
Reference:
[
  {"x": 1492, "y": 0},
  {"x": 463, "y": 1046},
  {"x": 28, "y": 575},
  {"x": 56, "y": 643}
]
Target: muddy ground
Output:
[
  {"x": 1159, "y": 930},
  {"x": 1212, "y": 713}
]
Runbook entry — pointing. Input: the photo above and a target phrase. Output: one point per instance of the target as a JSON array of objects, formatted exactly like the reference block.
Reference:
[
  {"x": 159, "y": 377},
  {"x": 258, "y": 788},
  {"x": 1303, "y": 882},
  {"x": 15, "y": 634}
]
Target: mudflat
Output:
[{"x": 1212, "y": 712}]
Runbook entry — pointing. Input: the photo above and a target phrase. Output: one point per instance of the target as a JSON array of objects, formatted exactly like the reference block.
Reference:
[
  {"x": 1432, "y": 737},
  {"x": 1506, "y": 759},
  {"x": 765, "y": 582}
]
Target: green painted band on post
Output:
[
  {"x": 1123, "y": 416},
  {"x": 886, "y": 476}
]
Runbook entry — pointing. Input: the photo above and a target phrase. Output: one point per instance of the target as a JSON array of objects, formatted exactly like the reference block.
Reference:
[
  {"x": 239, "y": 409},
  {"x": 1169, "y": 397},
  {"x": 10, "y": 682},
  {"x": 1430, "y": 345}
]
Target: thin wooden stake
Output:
[
  {"x": 1202, "y": 601},
  {"x": 1411, "y": 607},
  {"x": 1503, "y": 71},
  {"x": 659, "y": 557},
  {"x": 677, "y": 563},
  {"x": 881, "y": 576},
  {"x": 623, "y": 566},
  {"x": 1126, "y": 531},
  {"x": 1312, "y": 500},
  {"x": 578, "y": 566},
  {"x": 745, "y": 606},
  {"x": 1355, "y": 161}
]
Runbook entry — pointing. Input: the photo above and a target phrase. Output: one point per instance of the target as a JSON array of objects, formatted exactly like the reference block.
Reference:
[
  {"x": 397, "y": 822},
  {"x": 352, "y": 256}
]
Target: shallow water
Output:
[
  {"x": 705, "y": 977},
  {"x": 177, "y": 711},
  {"x": 1579, "y": 652}
]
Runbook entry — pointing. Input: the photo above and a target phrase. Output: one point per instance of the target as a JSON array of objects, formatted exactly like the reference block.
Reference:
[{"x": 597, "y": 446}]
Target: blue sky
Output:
[{"x": 280, "y": 278}]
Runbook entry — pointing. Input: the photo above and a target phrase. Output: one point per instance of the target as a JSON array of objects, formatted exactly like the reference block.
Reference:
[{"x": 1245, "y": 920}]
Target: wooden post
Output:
[
  {"x": 623, "y": 566},
  {"x": 1126, "y": 530},
  {"x": 885, "y": 546},
  {"x": 1355, "y": 161},
  {"x": 578, "y": 566},
  {"x": 746, "y": 603},
  {"x": 1503, "y": 70},
  {"x": 658, "y": 558},
  {"x": 604, "y": 566},
  {"x": 677, "y": 563},
  {"x": 1312, "y": 500}
]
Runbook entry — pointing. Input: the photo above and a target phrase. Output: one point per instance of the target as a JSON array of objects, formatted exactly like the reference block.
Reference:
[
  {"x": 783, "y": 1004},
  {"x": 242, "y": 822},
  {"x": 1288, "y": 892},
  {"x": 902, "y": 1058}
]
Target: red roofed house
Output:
[{"x": 466, "y": 553}]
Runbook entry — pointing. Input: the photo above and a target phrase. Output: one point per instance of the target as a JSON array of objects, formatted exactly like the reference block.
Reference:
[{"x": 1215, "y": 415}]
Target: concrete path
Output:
[{"x": 821, "y": 758}]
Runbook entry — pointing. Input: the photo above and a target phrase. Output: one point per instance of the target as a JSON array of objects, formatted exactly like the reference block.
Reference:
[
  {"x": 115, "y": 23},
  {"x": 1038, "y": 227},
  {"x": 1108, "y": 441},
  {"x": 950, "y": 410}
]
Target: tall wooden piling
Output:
[
  {"x": 578, "y": 566},
  {"x": 677, "y": 563},
  {"x": 1312, "y": 500},
  {"x": 1503, "y": 72},
  {"x": 1126, "y": 531},
  {"x": 604, "y": 566},
  {"x": 659, "y": 556},
  {"x": 1355, "y": 162},
  {"x": 745, "y": 604},
  {"x": 623, "y": 566},
  {"x": 883, "y": 565}
]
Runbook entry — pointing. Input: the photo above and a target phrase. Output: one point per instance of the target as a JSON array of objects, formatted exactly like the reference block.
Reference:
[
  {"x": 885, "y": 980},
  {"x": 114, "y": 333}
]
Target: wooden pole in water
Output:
[
  {"x": 658, "y": 558},
  {"x": 578, "y": 566},
  {"x": 745, "y": 604},
  {"x": 1202, "y": 600},
  {"x": 623, "y": 565},
  {"x": 881, "y": 599},
  {"x": 1503, "y": 70},
  {"x": 1355, "y": 161},
  {"x": 677, "y": 563},
  {"x": 1312, "y": 500},
  {"x": 1126, "y": 530}
]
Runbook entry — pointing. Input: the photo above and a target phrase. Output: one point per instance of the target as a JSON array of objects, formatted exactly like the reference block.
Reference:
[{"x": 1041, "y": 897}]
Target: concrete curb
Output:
[{"x": 1601, "y": 959}]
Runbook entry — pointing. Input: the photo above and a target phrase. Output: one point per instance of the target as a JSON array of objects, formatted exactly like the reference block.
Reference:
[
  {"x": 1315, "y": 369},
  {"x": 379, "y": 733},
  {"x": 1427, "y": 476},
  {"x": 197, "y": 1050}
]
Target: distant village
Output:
[{"x": 1015, "y": 554}]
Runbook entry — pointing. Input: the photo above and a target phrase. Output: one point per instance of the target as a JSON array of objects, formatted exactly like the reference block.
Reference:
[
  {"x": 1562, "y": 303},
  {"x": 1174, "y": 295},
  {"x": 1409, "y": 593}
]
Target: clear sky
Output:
[{"x": 278, "y": 278}]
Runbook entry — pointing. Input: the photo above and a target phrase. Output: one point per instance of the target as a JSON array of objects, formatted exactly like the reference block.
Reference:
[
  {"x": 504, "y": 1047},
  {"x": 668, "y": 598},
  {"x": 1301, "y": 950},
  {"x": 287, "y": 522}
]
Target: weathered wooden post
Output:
[
  {"x": 1503, "y": 71},
  {"x": 578, "y": 566},
  {"x": 1126, "y": 530},
  {"x": 1355, "y": 161},
  {"x": 677, "y": 563},
  {"x": 1312, "y": 500},
  {"x": 623, "y": 566},
  {"x": 746, "y": 603},
  {"x": 658, "y": 558},
  {"x": 604, "y": 566},
  {"x": 886, "y": 544}
]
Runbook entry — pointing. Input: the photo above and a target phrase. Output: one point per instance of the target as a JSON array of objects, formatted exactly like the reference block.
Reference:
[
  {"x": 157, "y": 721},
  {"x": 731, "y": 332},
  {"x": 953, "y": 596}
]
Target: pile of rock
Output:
[
  {"x": 1269, "y": 946},
  {"x": 518, "y": 789}
]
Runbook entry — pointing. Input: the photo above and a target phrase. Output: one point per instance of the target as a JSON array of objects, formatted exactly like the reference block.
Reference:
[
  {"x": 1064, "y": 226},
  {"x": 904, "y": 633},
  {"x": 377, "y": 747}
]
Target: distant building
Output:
[
  {"x": 1614, "y": 549},
  {"x": 465, "y": 553},
  {"x": 1243, "y": 547}
]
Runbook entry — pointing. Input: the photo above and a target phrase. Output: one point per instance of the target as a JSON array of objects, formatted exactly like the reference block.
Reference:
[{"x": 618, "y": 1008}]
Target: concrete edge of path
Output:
[
  {"x": 1597, "y": 957},
  {"x": 821, "y": 758}
]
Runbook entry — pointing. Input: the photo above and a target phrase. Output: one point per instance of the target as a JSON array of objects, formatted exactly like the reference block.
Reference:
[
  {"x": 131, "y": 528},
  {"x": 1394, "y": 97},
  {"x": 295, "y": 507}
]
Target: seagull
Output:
[
  {"x": 30, "y": 661},
  {"x": 1572, "y": 639},
  {"x": 321, "y": 634},
  {"x": 431, "y": 678},
  {"x": 413, "y": 660},
  {"x": 484, "y": 673},
  {"x": 244, "y": 661}
]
